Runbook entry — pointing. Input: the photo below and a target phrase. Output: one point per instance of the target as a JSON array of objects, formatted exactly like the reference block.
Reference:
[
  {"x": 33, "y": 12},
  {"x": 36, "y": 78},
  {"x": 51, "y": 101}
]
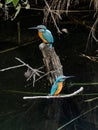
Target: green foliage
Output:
[
  {"x": 17, "y": 11},
  {"x": 1, "y": 5},
  {"x": 15, "y": 2},
  {"x": 16, "y": 5},
  {"x": 8, "y": 1}
]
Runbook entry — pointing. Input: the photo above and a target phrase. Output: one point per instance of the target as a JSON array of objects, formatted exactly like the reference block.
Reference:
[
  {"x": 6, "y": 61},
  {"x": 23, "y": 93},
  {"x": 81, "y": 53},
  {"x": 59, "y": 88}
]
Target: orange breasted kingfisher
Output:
[
  {"x": 45, "y": 35},
  {"x": 58, "y": 85}
]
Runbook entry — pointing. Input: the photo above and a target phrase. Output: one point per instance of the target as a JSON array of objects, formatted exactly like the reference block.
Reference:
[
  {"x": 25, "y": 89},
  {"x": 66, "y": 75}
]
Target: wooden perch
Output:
[{"x": 51, "y": 62}]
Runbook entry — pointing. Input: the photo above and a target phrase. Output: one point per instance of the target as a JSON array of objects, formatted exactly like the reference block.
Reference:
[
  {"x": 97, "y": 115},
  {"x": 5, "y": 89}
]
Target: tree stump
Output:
[{"x": 51, "y": 62}]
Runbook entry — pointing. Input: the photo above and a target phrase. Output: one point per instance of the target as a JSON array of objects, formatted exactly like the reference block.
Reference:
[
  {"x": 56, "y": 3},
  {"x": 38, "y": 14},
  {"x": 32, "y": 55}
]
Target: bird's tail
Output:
[{"x": 50, "y": 45}]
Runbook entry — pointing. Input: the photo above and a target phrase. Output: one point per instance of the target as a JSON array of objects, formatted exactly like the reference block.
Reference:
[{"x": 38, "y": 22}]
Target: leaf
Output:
[
  {"x": 1, "y": 5},
  {"x": 15, "y": 2},
  {"x": 8, "y": 1},
  {"x": 17, "y": 11},
  {"x": 27, "y": 6}
]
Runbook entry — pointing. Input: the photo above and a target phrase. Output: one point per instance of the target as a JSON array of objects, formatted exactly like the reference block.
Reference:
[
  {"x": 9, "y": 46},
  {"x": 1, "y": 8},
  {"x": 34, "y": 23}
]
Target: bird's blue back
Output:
[{"x": 48, "y": 36}]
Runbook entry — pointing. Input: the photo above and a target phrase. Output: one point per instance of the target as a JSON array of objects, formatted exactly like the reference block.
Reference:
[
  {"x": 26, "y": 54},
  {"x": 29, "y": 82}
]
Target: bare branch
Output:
[
  {"x": 34, "y": 70},
  {"x": 55, "y": 8},
  {"x": 67, "y": 7},
  {"x": 30, "y": 71},
  {"x": 92, "y": 58},
  {"x": 59, "y": 96},
  {"x": 93, "y": 30},
  {"x": 47, "y": 74},
  {"x": 51, "y": 13}
]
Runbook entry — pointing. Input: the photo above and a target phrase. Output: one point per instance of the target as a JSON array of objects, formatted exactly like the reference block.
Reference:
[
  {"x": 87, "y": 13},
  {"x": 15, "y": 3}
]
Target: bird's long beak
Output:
[
  {"x": 66, "y": 77},
  {"x": 33, "y": 28}
]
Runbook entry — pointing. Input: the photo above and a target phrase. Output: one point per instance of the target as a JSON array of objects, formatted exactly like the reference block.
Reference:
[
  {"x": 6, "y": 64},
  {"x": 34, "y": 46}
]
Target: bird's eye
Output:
[{"x": 39, "y": 28}]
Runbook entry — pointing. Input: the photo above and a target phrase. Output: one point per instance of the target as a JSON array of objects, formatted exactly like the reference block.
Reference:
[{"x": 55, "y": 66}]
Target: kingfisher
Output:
[
  {"x": 44, "y": 34},
  {"x": 58, "y": 85}
]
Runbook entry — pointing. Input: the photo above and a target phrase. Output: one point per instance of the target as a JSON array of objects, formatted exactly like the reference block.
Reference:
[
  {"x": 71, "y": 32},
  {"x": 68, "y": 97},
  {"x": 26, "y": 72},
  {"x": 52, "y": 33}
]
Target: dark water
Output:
[{"x": 48, "y": 114}]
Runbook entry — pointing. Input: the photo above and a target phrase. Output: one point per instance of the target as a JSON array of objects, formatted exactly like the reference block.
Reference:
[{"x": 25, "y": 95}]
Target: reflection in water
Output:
[{"x": 43, "y": 114}]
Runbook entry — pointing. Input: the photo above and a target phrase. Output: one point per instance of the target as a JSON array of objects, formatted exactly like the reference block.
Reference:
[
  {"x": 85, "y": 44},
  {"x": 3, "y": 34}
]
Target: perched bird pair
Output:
[
  {"x": 45, "y": 35},
  {"x": 47, "y": 38},
  {"x": 58, "y": 85}
]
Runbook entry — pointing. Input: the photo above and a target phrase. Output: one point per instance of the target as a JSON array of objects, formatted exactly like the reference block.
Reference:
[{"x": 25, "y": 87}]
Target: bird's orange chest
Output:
[
  {"x": 41, "y": 36},
  {"x": 60, "y": 86}
]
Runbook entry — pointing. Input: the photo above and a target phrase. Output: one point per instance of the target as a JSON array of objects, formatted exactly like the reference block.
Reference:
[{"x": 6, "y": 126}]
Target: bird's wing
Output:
[
  {"x": 48, "y": 36},
  {"x": 53, "y": 89}
]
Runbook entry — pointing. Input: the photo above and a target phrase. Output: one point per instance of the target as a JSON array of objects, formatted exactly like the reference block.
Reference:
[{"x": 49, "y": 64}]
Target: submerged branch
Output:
[
  {"x": 83, "y": 114},
  {"x": 42, "y": 93},
  {"x": 91, "y": 99}
]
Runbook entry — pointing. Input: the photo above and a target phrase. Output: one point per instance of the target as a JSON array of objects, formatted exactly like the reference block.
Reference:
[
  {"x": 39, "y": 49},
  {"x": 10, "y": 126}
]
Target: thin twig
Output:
[
  {"x": 60, "y": 10},
  {"x": 34, "y": 70},
  {"x": 13, "y": 67},
  {"x": 51, "y": 13},
  {"x": 67, "y": 7},
  {"x": 38, "y": 78},
  {"x": 42, "y": 76},
  {"x": 37, "y": 71},
  {"x": 53, "y": 71},
  {"x": 34, "y": 79},
  {"x": 92, "y": 58}
]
